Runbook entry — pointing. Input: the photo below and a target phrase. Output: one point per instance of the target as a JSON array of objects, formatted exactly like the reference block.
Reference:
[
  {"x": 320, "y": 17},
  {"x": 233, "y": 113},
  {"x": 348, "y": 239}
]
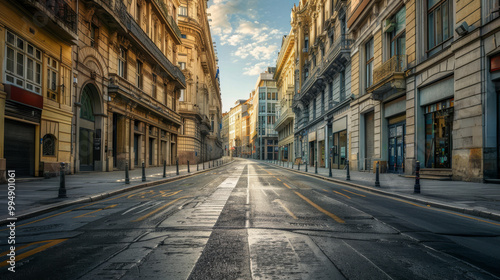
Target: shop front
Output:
[
  {"x": 339, "y": 141},
  {"x": 396, "y": 148},
  {"x": 313, "y": 152},
  {"x": 438, "y": 137}
]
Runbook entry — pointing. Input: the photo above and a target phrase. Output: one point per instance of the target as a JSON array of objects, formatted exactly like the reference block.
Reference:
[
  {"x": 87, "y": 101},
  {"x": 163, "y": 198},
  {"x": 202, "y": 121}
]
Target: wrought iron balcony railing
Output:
[
  {"x": 396, "y": 64},
  {"x": 137, "y": 31},
  {"x": 60, "y": 10},
  {"x": 169, "y": 18}
]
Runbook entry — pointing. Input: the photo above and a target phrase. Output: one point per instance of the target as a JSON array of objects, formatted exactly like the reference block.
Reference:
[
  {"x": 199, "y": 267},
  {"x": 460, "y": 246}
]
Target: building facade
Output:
[
  {"x": 225, "y": 134},
  {"x": 127, "y": 85},
  {"x": 425, "y": 87},
  {"x": 200, "y": 103},
  {"x": 36, "y": 101},
  {"x": 322, "y": 82},
  {"x": 265, "y": 104},
  {"x": 285, "y": 79}
]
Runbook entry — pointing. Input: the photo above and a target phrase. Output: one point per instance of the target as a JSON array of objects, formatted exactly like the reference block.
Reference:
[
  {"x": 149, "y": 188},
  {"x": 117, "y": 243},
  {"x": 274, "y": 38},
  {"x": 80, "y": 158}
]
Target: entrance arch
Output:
[{"x": 90, "y": 136}]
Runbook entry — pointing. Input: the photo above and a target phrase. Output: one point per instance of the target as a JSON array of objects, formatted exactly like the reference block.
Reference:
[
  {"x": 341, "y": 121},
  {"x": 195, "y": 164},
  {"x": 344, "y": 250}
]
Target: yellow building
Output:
[
  {"x": 36, "y": 101},
  {"x": 126, "y": 84},
  {"x": 200, "y": 103},
  {"x": 285, "y": 81}
]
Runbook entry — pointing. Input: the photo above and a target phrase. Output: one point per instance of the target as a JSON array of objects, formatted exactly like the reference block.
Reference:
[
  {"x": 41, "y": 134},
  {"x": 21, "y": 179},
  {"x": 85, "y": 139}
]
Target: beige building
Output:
[
  {"x": 322, "y": 82},
  {"x": 426, "y": 87},
  {"x": 285, "y": 81},
  {"x": 126, "y": 84},
  {"x": 225, "y": 134},
  {"x": 36, "y": 86},
  {"x": 200, "y": 103}
]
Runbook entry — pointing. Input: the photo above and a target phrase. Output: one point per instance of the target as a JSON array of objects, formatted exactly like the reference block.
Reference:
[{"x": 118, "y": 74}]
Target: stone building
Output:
[
  {"x": 285, "y": 79},
  {"x": 236, "y": 131},
  {"x": 322, "y": 82},
  {"x": 36, "y": 86},
  {"x": 225, "y": 134},
  {"x": 425, "y": 86},
  {"x": 200, "y": 103},
  {"x": 126, "y": 84}
]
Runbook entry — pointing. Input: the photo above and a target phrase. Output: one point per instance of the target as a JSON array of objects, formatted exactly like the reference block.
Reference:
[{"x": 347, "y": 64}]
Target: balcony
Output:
[
  {"x": 186, "y": 108},
  {"x": 143, "y": 39},
  {"x": 389, "y": 78},
  {"x": 286, "y": 116},
  {"x": 120, "y": 87},
  {"x": 56, "y": 15},
  {"x": 170, "y": 20},
  {"x": 336, "y": 60},
  {"x": 205, "y": 127}
]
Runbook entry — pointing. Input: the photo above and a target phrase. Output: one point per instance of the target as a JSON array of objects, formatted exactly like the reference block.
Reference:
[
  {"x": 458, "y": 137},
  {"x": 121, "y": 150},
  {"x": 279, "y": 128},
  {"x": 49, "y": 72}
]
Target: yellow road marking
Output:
[
  {"x": 287, "y": 185},
  {"x": 325, "y": 190},
  {"x": 269, "y": 172},
  {"x": 49, "y": 244},
  {"x": 341, "y": 194},
  {"x": 39, "y": 220},
  {"x": 286, "y": 209},
  {"x": 107, "y": 207},
  {"x": 167, "y": 194},
  {"x": 158, "y": 209},
  {"x": 337, "y": 219},
  {"x": 278, "y": 179},
  {"x": 354, "y": 193}
]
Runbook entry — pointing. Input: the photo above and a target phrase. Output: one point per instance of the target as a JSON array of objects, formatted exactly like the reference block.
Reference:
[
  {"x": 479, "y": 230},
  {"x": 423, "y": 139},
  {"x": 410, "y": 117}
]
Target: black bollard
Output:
[
  {"x": 127, "y": 179},
  {"x": 203, "y": 163},
  {"x": 292, "y": 164},
  {"x": 298, "y": 168},
  {"x": 316, "y": 168},
  {"x": 377, "y": 181},
  {"x": 164, "y": 168},
  {"x": 197, "y": 166},
  {"x": 189, "y": 171},
  {"x": 416, "y": 188},
  {"x": 62, "y": 182},
  {"x": 143, "y": 172},
  {"x": 213, "y": 163},
  {"x": 209, "y": 164},
  {"x": 306, "y": 165},
  {"x": 348, "y": 177},
  {"x": 330, "y": 169},
  {"x": 177, "y": 166}
]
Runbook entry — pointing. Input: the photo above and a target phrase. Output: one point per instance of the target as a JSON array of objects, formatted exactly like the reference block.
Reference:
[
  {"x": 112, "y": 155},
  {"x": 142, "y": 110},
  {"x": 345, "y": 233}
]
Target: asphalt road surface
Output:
[{"x": 250, "y": 220}]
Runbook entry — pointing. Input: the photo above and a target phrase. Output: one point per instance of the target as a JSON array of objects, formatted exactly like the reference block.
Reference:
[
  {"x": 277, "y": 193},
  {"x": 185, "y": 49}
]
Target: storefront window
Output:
[
  {"x": 438, "y": 139},
  {"x": 339, "y": 149}
]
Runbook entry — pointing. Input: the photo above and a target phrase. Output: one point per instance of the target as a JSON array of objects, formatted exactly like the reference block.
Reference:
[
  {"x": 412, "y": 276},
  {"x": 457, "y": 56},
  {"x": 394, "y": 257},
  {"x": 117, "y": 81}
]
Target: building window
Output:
[
  {"x": 439, "y": 25},
  {"x": 322, "y": 101},
  {"x": 306, "y": 43},
  {"x": 492, "y": 10},
  {"x": 342, "y": 85},
  {"x": 212, "y": 122},
  {"x": 153, "y": 86},
  {"x": 87, "y": 110},
  {"x": 52, "y": 78},
  {"x": 182, "y": 65},
  {"x": 94, "y": 35},
  {"x": 182, "y": 97},
  {"x": 306, "y": 73},
  {"x": 49, "y": 145},
  {"x": 183, "y": 11},
  {"x": 183, "y": 36},
  {"x": 314, "y": 109},
  {"x": 174, "y": 103},
  {"x": 138, "y": 11},
  {"x": 138, "y": 79},
  {"x": 23, "y": 64},
  {"x": 369, "y": 63},
  {"x": 122, "y": 63}
]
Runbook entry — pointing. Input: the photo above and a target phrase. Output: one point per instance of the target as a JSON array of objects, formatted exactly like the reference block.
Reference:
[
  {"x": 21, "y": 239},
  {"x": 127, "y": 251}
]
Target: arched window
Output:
[
  {"x": 49, "y": 145},
  {"x": 87, "y": 110}
]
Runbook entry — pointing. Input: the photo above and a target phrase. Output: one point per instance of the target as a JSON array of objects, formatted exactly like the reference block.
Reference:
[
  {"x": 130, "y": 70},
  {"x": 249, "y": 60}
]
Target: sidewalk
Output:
[
  {"x": 37, "y": 196},
  {"x": 475, "y": 199}
]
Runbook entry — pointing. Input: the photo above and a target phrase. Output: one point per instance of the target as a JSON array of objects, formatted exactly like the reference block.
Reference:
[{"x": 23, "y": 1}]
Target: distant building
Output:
[
  {"x": 200, "y": 103},
  {"x": 225, "y": 134},
  {"x": 285, "y": 79},
  {"x": 265, "y": 103}
]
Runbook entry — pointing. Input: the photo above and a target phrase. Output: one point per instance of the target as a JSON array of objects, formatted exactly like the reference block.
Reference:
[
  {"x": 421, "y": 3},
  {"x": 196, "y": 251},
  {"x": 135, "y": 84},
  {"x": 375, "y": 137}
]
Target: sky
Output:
[{"x": 247, "y": 36}]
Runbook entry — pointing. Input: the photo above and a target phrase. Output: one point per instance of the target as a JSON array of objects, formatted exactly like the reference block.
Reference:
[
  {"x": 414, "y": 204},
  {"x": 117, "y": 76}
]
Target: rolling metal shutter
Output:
[{"x": 20, "y": 147}]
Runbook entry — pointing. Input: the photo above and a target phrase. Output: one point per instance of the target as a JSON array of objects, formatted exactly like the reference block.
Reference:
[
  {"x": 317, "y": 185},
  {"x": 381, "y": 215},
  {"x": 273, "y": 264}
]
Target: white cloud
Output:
[{"x": 255, "y": 69}]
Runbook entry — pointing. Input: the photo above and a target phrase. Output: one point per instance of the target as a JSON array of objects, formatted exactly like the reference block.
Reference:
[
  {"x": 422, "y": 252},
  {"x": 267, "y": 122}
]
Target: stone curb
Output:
[
  {"x": 440, "y": 205},
  {"x": 101, "y": 196}
]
